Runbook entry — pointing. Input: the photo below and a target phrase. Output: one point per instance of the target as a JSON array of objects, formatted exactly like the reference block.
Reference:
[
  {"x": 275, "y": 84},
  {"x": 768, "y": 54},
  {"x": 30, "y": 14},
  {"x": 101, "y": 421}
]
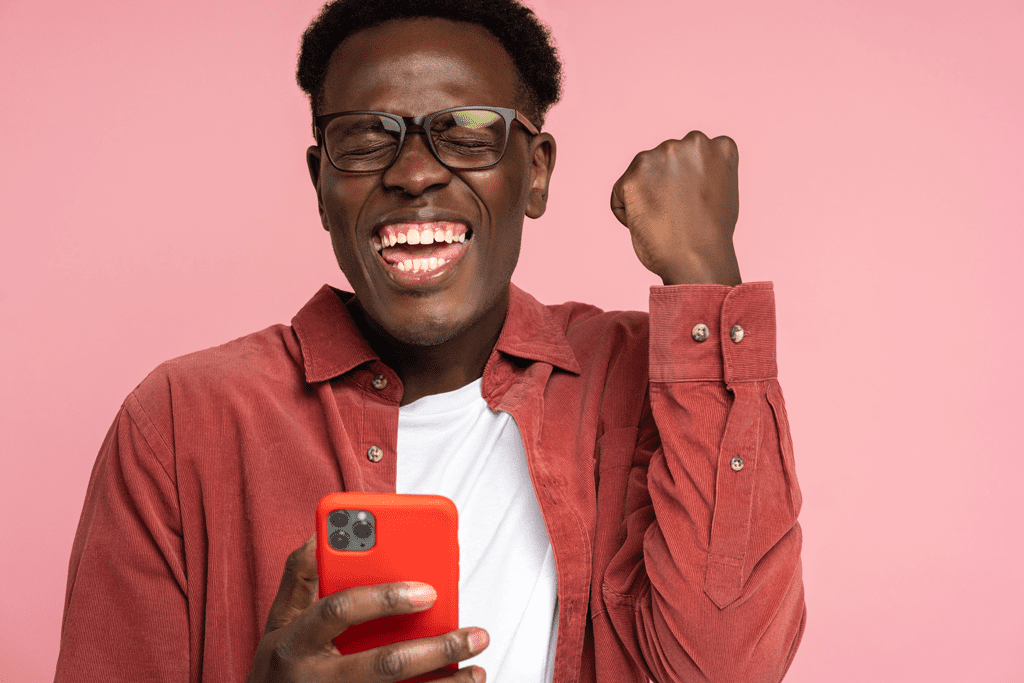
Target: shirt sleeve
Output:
[
  {"x": 125, "y": 612},
  {"x": 710, "y": 563}
]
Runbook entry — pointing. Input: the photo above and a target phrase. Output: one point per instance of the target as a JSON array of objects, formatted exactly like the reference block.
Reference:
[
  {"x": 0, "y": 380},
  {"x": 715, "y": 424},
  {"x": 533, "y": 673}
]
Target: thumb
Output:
[{"x": 298, "y": 588}]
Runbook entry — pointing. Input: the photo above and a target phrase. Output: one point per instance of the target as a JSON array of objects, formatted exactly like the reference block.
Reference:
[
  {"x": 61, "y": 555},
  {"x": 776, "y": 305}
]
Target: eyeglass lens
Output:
[{"x": 469, "y": 138}]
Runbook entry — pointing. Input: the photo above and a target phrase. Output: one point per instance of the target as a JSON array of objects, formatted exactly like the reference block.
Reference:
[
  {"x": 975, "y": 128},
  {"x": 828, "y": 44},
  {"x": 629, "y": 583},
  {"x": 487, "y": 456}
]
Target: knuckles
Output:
[
  {"x": 283, "y": 654},
  {"x": 695, "y": 146},
  {"x": 392, "y": 661},
  {"x": 727, "y": 147},
  {"x": 453, "y": 647},
  {"x": 278, "y": 662},
  {"x": 341, "y": 607},
  {"x": 389, "y": 662},
  {"x": 336, "y": 608},
  {"x": 392, "y": 596}
]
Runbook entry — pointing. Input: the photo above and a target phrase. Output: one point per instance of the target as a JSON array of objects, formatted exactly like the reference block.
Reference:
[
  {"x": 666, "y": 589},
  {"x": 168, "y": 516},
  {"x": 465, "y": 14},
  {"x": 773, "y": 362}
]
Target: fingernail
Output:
[
  {"x": 478, "y": 675},
  {"x": 420, "y": 594},
  {"x": 478, "y": 641}
]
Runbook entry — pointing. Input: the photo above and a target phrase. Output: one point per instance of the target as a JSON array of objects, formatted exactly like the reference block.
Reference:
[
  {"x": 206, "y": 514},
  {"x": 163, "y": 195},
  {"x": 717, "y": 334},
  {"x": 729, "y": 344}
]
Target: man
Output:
[{"x": 625, "y": 483}]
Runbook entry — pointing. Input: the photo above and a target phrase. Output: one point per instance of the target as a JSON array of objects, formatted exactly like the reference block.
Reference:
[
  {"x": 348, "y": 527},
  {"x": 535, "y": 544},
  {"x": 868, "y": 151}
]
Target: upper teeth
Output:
[{"x": 413, "y": 233}]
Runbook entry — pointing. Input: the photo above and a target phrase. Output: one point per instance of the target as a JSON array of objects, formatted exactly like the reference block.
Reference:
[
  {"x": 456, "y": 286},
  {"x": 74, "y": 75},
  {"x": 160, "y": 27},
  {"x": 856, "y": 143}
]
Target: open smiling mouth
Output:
[{"x": 423, "y": 249}]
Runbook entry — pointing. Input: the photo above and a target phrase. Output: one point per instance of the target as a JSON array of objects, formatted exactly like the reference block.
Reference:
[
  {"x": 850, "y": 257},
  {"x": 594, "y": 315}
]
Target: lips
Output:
[{"x": 424, "y": 250}]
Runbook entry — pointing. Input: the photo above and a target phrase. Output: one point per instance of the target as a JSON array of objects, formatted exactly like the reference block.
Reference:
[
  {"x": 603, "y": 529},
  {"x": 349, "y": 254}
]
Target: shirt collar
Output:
[{"x": 332, "y": 345}]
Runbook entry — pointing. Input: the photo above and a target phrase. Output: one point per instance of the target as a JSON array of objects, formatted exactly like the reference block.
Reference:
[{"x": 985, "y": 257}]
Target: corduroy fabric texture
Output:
[{"x": 673, "y": 562}]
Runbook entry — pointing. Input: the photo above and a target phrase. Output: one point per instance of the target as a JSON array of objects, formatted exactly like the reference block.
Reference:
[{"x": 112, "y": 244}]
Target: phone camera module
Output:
[{"x": 351, "y": 530}]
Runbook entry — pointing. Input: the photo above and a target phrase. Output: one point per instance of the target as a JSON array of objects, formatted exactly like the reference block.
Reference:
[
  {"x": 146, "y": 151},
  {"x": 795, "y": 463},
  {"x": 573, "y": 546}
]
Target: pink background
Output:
[{"x": 154, "y": 200}]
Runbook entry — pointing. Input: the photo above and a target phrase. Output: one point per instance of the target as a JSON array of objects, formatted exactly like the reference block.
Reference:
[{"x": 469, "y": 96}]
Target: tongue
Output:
[{"x": 407, "y": 252}]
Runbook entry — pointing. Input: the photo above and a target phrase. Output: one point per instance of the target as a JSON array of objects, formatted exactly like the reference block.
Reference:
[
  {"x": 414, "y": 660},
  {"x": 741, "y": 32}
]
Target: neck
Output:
[{"x": 439, "y": 368}]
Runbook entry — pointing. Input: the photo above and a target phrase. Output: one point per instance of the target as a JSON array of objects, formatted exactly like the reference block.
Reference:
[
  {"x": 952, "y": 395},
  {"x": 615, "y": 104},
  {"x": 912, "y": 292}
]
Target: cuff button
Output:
[
  {"x": 700, "y": 332},
  {"x": 736, "y": 333},
  {"x": 374, "y": 454}
]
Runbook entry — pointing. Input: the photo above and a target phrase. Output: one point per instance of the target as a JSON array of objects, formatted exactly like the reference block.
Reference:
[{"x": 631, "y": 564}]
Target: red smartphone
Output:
[{"x": 370, "y": 538}]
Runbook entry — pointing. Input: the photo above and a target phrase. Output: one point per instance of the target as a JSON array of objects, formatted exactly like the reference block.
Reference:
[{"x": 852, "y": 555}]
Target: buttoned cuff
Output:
[{"x": 713, "y": 333}]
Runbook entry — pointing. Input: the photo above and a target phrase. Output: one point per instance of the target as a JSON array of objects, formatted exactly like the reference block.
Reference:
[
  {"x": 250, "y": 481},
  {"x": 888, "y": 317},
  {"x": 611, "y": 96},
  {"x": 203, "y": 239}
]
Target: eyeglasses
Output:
[{"x": 461, "y": 137}]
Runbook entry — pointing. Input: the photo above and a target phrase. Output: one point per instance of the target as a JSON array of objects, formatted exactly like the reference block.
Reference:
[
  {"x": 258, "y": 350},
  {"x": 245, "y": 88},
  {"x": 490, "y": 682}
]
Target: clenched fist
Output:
[{"x": 680, "y": 202}]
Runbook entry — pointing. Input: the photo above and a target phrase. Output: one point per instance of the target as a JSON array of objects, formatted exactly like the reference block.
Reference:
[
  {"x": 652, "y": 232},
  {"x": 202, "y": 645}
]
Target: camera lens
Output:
[
  {"x": 362, "y": 529},
  {"x": 339, "y": 540},
  {"x": 338, "y": 518}
]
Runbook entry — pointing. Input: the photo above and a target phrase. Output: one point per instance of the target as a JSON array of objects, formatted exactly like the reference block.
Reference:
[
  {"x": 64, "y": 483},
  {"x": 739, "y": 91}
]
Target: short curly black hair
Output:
[{"x": 527, "y": 41}]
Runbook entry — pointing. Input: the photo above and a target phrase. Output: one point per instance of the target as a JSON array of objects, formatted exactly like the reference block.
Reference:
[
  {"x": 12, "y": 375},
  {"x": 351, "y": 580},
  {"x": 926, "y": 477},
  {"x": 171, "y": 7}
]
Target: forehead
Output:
[{"x": 415, "y": 66}]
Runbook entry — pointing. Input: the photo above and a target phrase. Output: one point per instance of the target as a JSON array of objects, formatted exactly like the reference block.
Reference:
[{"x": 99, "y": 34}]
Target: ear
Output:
[
  {"x": 313, "y": 162},
  {"x": 542, "y": 163}
]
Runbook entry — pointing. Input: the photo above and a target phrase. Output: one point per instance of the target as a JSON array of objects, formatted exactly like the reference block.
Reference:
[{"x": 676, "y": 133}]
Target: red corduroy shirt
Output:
[{"x": 663, "y": 466}]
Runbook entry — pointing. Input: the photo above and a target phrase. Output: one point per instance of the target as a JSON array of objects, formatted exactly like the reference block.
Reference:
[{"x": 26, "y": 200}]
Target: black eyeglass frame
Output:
[{"x": 405, "y": 122}]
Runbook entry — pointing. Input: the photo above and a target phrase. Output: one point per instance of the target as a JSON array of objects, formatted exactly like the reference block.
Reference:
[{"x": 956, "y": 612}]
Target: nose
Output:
[{"x": 416, "y": 169}]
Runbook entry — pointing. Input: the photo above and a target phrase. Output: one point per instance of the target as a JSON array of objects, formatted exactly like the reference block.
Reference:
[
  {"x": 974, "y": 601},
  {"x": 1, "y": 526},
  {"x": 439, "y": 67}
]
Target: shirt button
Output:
[
  {"x": 736, "y": 333},
  {"x": 374, "y": 454},
  {"x": 700, "y": 332},
  {"x": 379, "y": 382},
  {"x": 737, "y": 464}
]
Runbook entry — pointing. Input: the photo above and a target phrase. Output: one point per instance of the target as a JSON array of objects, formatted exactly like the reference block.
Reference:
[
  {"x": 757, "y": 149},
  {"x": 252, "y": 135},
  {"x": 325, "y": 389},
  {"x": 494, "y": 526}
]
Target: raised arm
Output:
[{"x": 706, "y": 582}]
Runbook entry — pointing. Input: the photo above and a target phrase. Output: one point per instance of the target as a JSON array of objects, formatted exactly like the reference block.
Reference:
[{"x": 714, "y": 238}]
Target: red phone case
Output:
[{"x": 416, "y": 540}]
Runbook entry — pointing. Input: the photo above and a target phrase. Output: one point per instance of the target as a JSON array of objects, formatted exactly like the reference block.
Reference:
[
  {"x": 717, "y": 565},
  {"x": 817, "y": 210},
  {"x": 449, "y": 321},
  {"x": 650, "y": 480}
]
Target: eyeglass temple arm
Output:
[{"x": 526, "y": 123}]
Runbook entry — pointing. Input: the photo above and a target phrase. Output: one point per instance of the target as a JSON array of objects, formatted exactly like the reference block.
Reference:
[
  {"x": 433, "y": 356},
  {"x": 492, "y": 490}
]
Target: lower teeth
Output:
[{"x": 420, "y": 265}]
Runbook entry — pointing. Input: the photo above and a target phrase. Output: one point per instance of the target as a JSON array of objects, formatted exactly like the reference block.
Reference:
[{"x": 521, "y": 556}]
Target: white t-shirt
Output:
[{"x": 453, "y": 445}]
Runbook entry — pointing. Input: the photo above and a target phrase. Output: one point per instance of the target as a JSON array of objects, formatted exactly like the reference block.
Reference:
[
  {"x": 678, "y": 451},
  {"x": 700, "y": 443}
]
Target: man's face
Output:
[{"x": 412, "y": 68}]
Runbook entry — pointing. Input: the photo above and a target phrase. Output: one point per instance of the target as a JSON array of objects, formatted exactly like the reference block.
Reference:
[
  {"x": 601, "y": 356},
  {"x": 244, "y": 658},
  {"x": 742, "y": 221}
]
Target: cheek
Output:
[
  {"x": 506, "y": 195},
  {"x": 344, "y": 197},
  {"x": 343, "y": 200},
  {"x": 507, "y": 229},
  {"x": 343, "y": 252}
]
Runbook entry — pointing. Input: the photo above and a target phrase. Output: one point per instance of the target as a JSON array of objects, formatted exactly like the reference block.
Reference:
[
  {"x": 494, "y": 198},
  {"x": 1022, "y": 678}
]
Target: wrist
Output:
[{"x": 723, "y": 271}]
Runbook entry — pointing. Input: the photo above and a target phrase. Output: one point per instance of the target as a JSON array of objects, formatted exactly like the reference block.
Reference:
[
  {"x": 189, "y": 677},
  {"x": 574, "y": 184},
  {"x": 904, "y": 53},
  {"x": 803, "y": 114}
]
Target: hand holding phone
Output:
[
  {"x": 371, "y": 538},
  {"x": 297, "y": 642}
]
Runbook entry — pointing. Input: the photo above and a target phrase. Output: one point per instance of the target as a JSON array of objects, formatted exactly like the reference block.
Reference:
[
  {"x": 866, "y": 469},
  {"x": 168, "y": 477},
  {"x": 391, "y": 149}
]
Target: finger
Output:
[
  {"x": 298, "y": 587},
  {"x": 618, "y": 205},
  {"x": 623, "y": 187},
  {"x": 469, "y": 674},
  {"x": 728, "y": 148},
  {"x": 414, "y": 657},
  {"x": 318, "y": 626}
]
